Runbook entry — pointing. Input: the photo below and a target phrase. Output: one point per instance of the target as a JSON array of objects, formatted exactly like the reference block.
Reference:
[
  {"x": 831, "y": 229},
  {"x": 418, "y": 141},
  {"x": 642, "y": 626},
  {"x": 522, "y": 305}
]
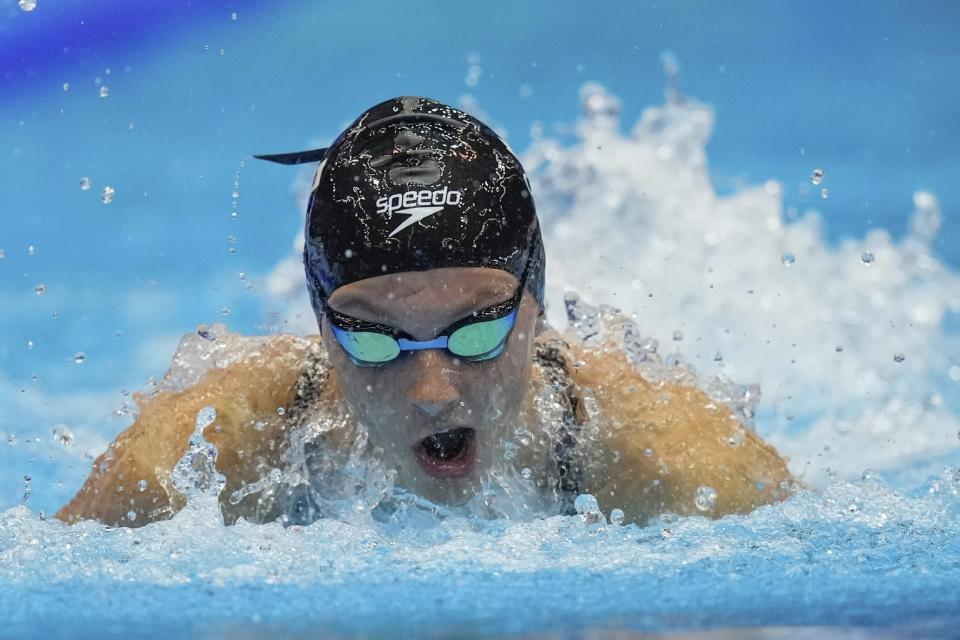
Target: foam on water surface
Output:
[
  {"x": 859, "y": 553},
  {"x": 804, "y": 347}
]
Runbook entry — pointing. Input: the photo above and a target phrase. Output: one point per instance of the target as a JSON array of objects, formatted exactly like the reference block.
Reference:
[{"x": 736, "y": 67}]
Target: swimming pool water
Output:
[{"x": 845, "y": 318}]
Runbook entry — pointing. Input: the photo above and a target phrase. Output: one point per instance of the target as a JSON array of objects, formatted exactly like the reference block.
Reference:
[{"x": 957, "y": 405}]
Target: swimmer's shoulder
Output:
[
  {"x": 658, "y": 442},
  {"x": 250, "y": 393}
]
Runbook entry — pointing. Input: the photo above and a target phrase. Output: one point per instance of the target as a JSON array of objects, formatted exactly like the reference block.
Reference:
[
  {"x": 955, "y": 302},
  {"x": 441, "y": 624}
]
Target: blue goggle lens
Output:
[
  {"x": 367, "y": 346},
  {"x": 477, "y": 341},
  {"x": 480, "y": 339}
]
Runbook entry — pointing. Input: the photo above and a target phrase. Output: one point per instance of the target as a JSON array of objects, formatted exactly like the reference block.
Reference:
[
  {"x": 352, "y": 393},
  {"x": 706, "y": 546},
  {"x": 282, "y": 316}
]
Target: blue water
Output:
[
  {"x": 861, "y": 556},
  {"x": 866, "y": 91}
]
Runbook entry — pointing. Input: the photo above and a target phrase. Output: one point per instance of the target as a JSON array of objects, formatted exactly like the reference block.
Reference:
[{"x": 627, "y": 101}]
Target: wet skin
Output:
[
  {"x": 649, "y": 448},
  {"x": 428, "y": 392}
]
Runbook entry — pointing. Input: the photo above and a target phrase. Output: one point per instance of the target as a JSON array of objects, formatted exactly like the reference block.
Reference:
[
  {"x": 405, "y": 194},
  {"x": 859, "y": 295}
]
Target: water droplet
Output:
[
  {"x": 31, "y": 250},
  {"x": 616, "y": 517},
  {"x": 586, "y": 505},
  {"x": 225, "y": 311},
  {"x": 40, "y": 289},
  {"x": 648, "y": 452},
  {"x": 616, "y": 457},
  {"x": 79, "y": 358},
  {"x": 817, "y": 176},
  {"x": 525, "y": 473},
  {"x": 3, "y": 254},
  {"x": 718, "y": 357},
  {"x": 62, "y": 435},
  {"x": 29, "y": 344},
  {"x": 838, "y": 348},
  {"x": 348, "y": 253},
  {"x": 28, "y": 5},
  {"x": 678, "y": 336},
  {"x": 234, "y": 16},
  {"x": 195, "y": 474},
  {"x": 899, "y": 357},
  {"x": 85, "y": 183},
  {"x": 281, "y": 411},
  {"x": 706, "y": 498},
  {"x": 788, "y": 259},
  {"x": 824, "y": 193},
  {"x": 104, "y": 91},
  {"x": 131, "y": 515},
  {"x": 867, "y": 257},
  {"x": 142, "y": 485},
  {"x": 12, "y": 439},
  {"x": 66, "y": 86},
  {"x": 107, "y": 196}
]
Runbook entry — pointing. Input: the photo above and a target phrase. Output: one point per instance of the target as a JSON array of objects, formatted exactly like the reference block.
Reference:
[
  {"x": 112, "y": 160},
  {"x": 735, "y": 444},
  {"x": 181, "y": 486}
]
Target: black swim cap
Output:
[{"x": 414, "y": 184}]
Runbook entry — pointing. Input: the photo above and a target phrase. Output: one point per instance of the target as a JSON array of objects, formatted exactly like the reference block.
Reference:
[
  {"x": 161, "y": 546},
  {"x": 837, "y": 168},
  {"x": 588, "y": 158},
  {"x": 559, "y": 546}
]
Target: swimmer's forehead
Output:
[{"x": 447, "y": 290}]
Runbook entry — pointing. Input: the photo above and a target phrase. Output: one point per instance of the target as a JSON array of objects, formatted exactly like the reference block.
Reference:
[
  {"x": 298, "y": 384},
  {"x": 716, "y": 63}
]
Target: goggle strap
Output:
[{"x": 296, "y": 157}]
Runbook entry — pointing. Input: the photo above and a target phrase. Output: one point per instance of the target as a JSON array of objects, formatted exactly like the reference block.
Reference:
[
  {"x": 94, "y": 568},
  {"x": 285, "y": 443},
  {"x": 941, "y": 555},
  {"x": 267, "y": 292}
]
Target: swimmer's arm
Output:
[
  {"x": 248, "y": 434},
  {"x": 671, "y": 441}
]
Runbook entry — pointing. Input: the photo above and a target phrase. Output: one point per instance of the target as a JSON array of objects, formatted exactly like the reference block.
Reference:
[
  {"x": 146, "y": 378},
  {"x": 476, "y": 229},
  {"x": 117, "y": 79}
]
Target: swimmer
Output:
[{"x": 425, "y": 269}]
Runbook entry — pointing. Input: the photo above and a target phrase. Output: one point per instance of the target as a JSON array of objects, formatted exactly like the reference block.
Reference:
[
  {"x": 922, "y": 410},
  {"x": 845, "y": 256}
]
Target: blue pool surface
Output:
[{"x": 671, "y": 149}]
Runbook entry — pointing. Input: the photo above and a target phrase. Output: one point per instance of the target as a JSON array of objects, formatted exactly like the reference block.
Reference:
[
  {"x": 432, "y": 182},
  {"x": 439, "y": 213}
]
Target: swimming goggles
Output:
[{"x": 480, "y": 336}]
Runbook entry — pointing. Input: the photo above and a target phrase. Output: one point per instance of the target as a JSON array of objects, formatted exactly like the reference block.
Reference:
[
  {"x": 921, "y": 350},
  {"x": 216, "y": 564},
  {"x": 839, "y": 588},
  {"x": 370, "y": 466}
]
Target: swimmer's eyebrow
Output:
[
  {"x": 359, "y": 307},
  {"x": 362, "y": 307}
]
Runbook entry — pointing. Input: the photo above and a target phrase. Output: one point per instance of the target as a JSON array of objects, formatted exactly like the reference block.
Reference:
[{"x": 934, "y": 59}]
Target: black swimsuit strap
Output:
[{"x": 570, "y": 481}]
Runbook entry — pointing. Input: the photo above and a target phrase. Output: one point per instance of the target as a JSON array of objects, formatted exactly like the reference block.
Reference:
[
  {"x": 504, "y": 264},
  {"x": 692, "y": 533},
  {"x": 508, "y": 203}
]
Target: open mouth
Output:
[{"x": 447, "y": 454}]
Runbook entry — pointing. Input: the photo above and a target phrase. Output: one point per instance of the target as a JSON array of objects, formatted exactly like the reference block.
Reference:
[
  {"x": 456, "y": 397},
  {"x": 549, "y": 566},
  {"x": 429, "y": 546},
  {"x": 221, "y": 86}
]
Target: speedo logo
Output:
[{"x": 417, "y": 204}]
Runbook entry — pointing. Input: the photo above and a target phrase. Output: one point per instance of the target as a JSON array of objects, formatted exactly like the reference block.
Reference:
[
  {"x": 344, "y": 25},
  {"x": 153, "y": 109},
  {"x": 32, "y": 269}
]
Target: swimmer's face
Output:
[{"x": 439, "y": 419}]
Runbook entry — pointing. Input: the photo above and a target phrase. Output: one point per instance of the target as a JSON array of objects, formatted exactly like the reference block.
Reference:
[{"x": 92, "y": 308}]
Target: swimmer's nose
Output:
[{"x": 433, "y": 392}]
